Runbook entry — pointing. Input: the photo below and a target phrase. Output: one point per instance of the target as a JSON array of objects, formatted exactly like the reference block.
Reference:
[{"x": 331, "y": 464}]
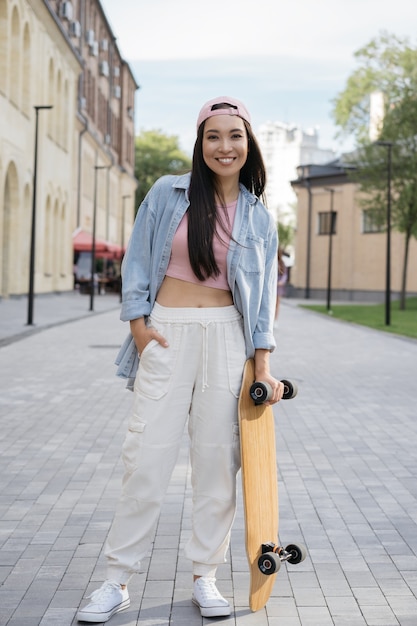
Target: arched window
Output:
[
  {"x": 63, "y": 257},
  {"x": 59, "y": 130},
  {"x": 10, "y": 202},
  {"x": 65, "y": 116},
  {"x": 3, "y": 46},
  {"x": 51, "y": 85},
  {"x": 26, "y": 74},
  {"x": 55, "y": 247},
  {"x": 25, "y": 234},
  {"x": 15, "y": 59},
  {"x": 47, "y": 239}
]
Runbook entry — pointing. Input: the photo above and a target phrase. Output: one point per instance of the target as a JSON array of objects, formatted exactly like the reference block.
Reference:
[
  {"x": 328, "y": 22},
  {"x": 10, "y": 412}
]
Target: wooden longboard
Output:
[{"x": 259, "y": 484}]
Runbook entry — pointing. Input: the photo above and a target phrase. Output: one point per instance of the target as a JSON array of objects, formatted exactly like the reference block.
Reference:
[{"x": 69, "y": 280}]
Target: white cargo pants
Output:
[{"x": 197, "y": 377}]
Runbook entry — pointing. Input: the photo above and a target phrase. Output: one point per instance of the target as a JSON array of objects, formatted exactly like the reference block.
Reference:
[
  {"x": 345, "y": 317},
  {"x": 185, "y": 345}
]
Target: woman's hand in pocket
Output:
[{"x": 143, "y": 334}]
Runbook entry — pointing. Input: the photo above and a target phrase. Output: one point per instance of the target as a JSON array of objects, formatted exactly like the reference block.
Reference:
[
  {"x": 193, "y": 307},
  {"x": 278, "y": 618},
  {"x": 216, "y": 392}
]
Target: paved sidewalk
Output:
[
  {"x": 49, "y": 310},
  {"x": 347, "y": 458}
]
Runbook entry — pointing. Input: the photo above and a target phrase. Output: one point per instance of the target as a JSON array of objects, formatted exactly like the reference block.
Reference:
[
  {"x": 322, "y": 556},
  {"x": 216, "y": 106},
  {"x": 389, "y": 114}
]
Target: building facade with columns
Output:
[{"x": 63, "y": 55}]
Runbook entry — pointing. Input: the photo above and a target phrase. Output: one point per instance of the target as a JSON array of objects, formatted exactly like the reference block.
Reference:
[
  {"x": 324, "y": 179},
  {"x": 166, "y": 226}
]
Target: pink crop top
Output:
[{"x": 179, "y": 263}]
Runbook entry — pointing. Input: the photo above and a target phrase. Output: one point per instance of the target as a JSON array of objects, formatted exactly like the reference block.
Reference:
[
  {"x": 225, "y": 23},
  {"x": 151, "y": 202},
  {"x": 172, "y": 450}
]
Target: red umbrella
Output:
[
  {"x": 83, "y": 242},
  {"x": 114, "y": 251}
]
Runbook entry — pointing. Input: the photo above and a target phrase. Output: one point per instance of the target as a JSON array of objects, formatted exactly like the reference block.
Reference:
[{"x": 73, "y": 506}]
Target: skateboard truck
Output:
[
  {"x": 272, "y": 556},
  {"x": 261, "y": 392}
]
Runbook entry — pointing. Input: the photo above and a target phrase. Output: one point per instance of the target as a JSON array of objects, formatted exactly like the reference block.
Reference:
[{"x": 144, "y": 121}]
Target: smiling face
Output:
[{"x": 225, "y": 145}]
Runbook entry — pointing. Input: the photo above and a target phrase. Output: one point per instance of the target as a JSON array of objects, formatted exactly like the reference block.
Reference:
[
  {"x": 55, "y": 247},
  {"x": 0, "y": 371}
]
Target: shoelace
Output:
[
  {"x": 105, "y": 590},
  {"x": 208, "y": 588}
]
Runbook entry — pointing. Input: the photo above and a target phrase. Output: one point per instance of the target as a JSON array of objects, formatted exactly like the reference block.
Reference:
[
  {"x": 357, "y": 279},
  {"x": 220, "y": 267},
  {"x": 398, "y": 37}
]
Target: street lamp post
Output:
[
  {"x": 124, "y": 198},
  {"x": 329, "y": 264},
  {"x": 388, "y": 145},
  {"x": 33, "y": 229},
  {"x": 308, "y": 259},
  {"x": 123, "y": 237},
  {"x": 93, "y": 243}
]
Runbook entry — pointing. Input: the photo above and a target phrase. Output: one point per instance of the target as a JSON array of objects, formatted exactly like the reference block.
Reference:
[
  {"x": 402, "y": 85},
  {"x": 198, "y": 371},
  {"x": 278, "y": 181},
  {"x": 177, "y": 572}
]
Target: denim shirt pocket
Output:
[{"x": 253, "y": 255}]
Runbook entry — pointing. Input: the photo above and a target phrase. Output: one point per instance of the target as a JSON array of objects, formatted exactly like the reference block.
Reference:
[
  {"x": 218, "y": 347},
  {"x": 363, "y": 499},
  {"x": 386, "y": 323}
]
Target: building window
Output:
[
  {"x": 371, "y": 222},
  {"x": 325, "y": 221},
  {"x": 15, "y": 58}
]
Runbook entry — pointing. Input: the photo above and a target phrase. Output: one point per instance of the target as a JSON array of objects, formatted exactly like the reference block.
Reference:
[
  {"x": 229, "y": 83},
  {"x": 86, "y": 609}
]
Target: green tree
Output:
[
  {"x": 156, "y": 154},
  {"x": 387, "y": 65},
  {"x": 285, "y": 235}
]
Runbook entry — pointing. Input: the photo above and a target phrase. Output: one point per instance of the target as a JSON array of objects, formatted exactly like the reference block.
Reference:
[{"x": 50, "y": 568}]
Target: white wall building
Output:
[{"x": 285, "y": 147}]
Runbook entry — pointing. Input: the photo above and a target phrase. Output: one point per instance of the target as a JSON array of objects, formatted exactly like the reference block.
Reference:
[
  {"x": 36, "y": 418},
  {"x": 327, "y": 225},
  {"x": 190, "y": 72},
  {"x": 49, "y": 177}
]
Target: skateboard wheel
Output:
[
  {"x": 269, "y": 563},
  {"x": 290, "y": 389},
  {"x": 298, "y": 553},
  {"x": 260, "y": 392}
]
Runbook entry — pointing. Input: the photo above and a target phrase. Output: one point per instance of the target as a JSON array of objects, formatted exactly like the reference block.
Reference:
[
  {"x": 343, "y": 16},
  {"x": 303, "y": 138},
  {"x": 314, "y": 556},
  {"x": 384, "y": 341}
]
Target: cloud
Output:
[
  {"x": 286, "y": 60},
  {"x": 300, "y": 29}
]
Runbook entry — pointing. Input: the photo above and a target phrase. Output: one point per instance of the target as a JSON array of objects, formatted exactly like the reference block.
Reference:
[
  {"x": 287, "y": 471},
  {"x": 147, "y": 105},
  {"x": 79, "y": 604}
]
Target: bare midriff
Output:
[{"x": 180, "y": 293}]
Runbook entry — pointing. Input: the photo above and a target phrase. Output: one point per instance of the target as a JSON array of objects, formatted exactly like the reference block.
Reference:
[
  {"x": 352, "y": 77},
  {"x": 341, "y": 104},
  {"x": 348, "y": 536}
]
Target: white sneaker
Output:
[
  {"x": 207, "y": 597},
  {"x": 105, "y": 602}
]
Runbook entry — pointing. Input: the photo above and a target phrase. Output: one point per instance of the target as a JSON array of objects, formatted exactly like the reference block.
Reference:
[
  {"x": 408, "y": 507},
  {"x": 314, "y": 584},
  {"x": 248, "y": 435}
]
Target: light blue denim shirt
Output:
[{"x": 251, "y": 264}]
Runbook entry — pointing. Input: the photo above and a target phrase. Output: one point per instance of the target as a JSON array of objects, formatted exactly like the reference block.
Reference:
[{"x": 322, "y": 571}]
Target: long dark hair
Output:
[{"x": 203, "y": 215}]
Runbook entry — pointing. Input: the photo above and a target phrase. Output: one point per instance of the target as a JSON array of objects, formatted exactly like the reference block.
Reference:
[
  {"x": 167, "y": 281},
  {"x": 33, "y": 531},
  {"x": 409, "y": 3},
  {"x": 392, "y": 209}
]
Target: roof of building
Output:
[{"x": 336, "y": 169}]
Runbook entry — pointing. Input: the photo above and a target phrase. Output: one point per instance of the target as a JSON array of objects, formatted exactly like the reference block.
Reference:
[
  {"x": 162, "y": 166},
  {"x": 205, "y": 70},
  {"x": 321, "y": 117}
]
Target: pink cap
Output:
[{"x": 237, "y": 108}]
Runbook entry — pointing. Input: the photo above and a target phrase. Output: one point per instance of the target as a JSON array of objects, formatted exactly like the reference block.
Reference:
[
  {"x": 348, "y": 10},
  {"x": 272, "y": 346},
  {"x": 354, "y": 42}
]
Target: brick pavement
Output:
[
  {"x": 49, "y": 310},
  {"x": 347, "y": 459}
]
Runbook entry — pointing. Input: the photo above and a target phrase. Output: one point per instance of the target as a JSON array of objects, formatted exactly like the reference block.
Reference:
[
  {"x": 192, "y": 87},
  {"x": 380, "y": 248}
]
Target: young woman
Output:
[{"x": 199, "y": 289}]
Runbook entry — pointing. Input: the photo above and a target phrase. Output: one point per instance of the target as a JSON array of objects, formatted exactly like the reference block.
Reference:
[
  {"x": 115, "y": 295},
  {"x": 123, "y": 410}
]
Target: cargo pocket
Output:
[
  {"x": 236, "y": 434},
  {"x": 132, "y": 444}
]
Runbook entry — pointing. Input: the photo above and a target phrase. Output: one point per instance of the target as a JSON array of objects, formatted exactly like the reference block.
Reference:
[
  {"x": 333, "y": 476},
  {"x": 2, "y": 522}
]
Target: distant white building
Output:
[
  {"x": 376, "y": 114},
  {"x": 285, "y": 147}
]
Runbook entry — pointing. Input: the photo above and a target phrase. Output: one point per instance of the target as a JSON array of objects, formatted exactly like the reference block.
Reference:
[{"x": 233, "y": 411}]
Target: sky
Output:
[{"x": 287, "y": 60}]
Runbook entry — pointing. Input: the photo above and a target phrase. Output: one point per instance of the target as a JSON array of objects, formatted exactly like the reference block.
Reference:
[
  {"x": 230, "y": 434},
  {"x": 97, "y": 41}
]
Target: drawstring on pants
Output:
[
  {"x": 205, "y": 326},
  {"x": 204, "y": 317}
]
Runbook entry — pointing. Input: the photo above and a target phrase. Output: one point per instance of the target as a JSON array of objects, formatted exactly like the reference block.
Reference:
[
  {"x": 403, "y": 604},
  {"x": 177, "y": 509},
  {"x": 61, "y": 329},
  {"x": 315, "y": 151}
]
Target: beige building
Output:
[
  {"x": 64, "y": 55},
  {"x": 358, "y": 245}
]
